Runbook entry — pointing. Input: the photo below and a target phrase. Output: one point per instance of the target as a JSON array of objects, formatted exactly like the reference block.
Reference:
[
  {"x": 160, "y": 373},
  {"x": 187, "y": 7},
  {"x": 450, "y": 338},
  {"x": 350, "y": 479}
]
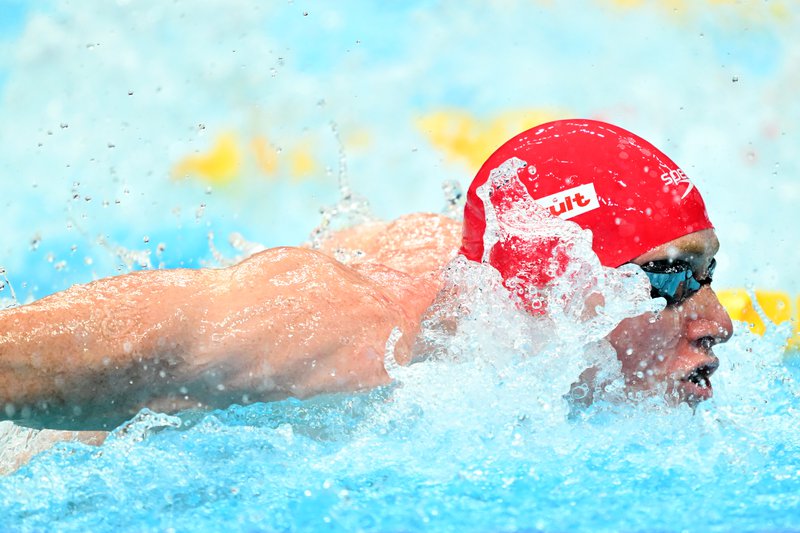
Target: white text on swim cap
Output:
[
  {"x": 676, "y": 177},
  {"x": 571, "y": 202}
]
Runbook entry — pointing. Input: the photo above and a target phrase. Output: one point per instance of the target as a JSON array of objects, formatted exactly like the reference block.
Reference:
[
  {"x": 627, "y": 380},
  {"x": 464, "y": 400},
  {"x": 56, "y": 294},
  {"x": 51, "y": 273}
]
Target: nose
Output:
[{"x": 708, "y": 320}]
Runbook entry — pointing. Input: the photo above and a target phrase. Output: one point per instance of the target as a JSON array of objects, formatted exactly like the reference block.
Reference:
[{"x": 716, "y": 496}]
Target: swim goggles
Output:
[{"x": 674, "y": 280}]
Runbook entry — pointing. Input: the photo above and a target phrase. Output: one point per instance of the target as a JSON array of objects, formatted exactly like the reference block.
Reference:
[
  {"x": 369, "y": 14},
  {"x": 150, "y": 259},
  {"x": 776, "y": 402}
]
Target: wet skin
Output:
[
  {"x": 289, "y": 322},
  {"x": 675, "y": 346},
  {"x": 284, "y": 322}
]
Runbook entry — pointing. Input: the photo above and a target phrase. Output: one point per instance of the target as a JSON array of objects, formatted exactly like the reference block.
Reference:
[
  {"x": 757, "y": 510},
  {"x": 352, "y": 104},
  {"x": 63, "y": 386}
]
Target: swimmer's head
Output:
[
  {"x": 642, "y": 209},
  {"x": 604, "y": 178}
]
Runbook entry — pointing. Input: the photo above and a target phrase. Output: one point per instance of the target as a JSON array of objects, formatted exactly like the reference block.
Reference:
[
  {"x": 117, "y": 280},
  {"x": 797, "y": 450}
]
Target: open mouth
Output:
[
  {"x": 700, "y": 376},
  {"x": 696, "y": 386}
]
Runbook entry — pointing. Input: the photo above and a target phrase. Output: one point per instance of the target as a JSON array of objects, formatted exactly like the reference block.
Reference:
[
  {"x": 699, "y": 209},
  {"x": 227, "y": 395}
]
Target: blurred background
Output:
[{"x": 131, "y": 131}]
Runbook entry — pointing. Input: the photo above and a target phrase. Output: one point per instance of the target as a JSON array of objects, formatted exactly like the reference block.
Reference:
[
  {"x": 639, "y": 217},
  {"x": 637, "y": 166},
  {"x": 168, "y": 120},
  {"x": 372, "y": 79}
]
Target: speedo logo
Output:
[
  {"x": 676, "y": 177},
  {"x": 571, "y": 202}
]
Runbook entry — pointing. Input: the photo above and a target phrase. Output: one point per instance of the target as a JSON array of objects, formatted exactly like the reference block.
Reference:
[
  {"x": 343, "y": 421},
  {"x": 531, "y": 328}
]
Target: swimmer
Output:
[{"x": 298, "y": 322}]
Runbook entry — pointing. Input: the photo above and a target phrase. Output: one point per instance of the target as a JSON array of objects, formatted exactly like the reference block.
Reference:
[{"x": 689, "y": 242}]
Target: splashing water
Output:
[
  {"x": 476, "y": 436},
  {"x": 130, "y": 258},
  {"x": 350, "y": 210},
  {"x": 11, "y": 299},
  {"x": 238, "y": 242},
  {"x": 471, "y": 443},
  {"x": 454, "y": 199}
]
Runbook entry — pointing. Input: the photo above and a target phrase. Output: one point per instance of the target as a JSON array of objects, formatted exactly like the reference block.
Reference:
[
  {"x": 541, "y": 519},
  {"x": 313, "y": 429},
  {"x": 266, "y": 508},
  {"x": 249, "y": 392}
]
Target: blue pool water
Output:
[
  {"x": 99, "y": 105},
  {"x": 478, "y": 437},
  {"x": 468, "y": 455}
]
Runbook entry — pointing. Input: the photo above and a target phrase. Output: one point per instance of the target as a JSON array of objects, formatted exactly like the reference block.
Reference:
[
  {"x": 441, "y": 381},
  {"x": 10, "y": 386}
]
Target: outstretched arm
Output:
[{"x": 286, "y": 322}]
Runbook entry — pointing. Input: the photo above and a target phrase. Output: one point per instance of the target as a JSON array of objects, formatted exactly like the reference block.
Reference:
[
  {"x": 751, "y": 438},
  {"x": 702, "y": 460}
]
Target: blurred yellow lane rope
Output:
[
  {"x": 228, "y": 159},
  {"x": 755, "y": 12},
  {"x": 462, "y": 136},
  {"x": 777, "y": 306},
  {"x": 220, "y": 165}
]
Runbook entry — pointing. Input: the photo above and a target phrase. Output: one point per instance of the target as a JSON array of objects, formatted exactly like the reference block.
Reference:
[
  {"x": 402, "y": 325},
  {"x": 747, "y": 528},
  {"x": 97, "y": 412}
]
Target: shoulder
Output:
[{"x": 418, "y": 243}]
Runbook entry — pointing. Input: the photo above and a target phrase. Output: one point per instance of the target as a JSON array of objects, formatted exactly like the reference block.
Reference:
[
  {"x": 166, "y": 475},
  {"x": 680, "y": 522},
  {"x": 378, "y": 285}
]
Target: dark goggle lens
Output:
[{"x": 674, "y": 280}]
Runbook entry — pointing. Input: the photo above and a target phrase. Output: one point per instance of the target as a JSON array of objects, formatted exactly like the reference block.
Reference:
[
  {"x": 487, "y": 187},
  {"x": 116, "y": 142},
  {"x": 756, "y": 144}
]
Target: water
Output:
[
  {"x": 472, "y": 445},
  {"x": 98, "y": 107},
  {"x": 477, "y": 437}
]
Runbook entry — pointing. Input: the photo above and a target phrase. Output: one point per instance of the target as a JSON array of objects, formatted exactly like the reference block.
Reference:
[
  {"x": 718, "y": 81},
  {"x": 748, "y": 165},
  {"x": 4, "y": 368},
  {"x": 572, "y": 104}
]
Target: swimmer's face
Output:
[{"x": 673, "y": 348}]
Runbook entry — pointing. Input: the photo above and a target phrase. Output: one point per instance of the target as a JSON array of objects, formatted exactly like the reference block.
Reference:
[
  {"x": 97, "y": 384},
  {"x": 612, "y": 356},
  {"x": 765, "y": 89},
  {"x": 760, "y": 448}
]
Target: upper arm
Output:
[{"x": 303, "y": 323}]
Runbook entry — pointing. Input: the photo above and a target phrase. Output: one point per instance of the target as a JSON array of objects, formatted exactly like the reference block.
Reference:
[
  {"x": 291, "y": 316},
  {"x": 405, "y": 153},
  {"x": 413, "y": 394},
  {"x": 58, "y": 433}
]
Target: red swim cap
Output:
[{"x": 606, "y": 179}]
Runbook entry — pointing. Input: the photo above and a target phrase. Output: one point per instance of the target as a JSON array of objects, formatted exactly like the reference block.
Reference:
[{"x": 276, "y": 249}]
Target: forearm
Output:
[{"x": 88, "y": 356}]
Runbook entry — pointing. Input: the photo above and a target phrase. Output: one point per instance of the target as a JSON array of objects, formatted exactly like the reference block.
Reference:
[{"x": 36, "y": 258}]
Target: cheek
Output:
[{"x": 646, "y": 342}]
